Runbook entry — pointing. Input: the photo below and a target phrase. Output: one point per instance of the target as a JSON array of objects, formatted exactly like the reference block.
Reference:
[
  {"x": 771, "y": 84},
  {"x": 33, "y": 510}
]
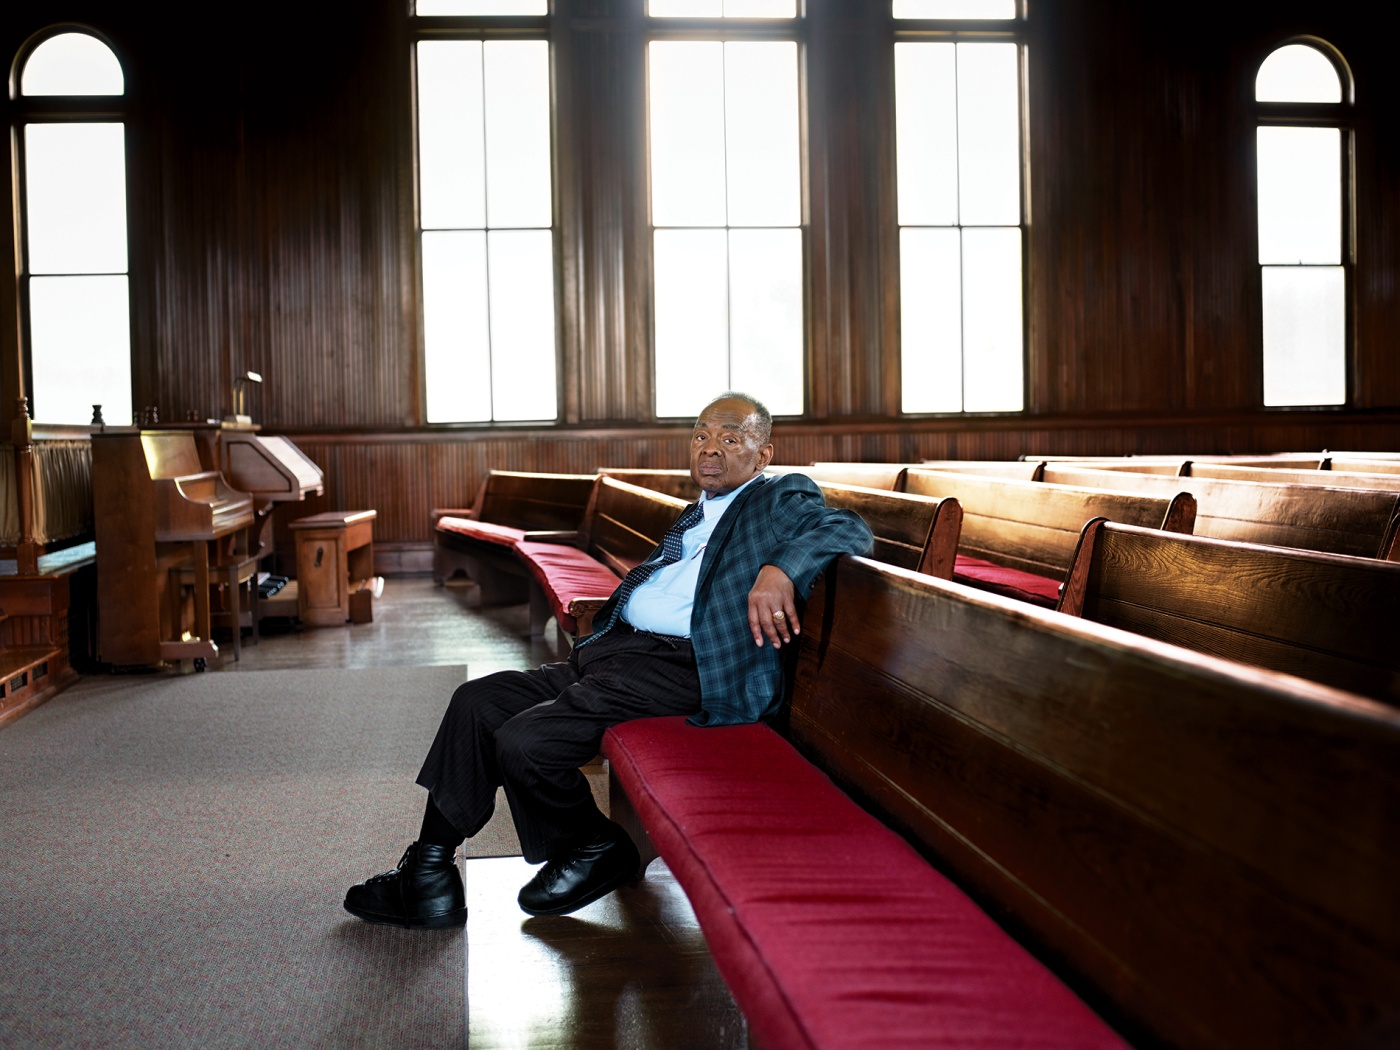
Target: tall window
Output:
[
  {"x": 961, "y": 225},
  {"x": 74, "y": 290},
  {"x": 486, "y": 220},
  {"x": 1304, "y": 240},
  {"x": 726, "y": 208}
]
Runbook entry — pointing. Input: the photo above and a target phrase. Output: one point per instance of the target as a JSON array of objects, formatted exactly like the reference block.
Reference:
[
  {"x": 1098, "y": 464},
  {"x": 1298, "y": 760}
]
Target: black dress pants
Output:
[{"x": 531, "y": 730}]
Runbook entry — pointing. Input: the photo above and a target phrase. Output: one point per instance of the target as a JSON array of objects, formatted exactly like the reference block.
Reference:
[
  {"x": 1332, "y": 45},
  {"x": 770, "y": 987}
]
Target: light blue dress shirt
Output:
[{"x": 662, "y": 604}]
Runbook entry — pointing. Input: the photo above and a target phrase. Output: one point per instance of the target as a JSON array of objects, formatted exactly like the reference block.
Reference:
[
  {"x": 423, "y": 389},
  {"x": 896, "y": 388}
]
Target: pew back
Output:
[
  {"x": 624, "y": 523},
  {"x": 1312, "y": 517},
  {"x": 1326, "y": 617},
  {"x": 676, "y": 483},
  {"x": 1204, "y": 850},
  {"x": 911, "y": 531},
  {"x": 533, "y": 501},
  {"x": 1034, "y": 527}
]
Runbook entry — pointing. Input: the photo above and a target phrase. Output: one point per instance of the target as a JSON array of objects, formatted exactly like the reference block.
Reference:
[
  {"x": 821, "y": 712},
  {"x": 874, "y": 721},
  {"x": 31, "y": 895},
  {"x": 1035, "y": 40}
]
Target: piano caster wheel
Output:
[{"x": 199, "y": 665}]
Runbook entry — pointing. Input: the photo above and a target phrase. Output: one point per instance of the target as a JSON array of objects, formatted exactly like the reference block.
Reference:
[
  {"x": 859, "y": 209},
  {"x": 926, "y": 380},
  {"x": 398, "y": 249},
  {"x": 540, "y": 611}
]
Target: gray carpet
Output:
[{"x": 175, "y": 851}]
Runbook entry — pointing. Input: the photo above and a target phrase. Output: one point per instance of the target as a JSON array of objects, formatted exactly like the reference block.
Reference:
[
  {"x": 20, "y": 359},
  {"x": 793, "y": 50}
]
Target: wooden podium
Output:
[{"x": 335, "y": 555}]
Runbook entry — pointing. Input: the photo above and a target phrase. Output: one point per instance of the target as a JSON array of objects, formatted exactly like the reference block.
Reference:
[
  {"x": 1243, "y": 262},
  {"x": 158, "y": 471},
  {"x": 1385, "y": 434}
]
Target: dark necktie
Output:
[{"x": 671, "y": 545}]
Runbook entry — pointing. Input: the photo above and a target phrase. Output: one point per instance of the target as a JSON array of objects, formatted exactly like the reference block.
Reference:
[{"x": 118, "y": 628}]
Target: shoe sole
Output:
[
  {"x": 446, "y": 921},
  {"x": 583, "y": 902}
]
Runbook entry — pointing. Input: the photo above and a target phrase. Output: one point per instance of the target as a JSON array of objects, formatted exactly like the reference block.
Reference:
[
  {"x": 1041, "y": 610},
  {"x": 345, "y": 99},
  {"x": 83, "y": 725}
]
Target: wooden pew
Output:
[
  {"x": 1326, "y": 617},
  {"x": 676, "y": 483},
  {"x": 911, "y": 531},
  {"x": 573, "y": 574},
  {"x": 477, "y": 541},
  {"x": 1350, "y": 521},
  {"x": 1018, "y": 537},
  {"x": 1203, "y": 850}
]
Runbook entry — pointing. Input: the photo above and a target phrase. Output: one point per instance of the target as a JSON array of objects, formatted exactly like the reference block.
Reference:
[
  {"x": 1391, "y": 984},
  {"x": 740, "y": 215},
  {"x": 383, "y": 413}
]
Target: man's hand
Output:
[{"x": 772, "y": 609}]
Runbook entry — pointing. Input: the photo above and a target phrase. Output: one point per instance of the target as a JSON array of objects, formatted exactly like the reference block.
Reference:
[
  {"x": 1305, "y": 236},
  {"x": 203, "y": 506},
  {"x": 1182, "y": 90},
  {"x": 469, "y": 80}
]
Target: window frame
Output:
[
  {"x": 62, "y": 109},
  {"x": 725, "y": 30},
  {"x": 485, "y": 29},
  {"x": 1342, "y": 116},
  {"x": 1015, "y": 30}
]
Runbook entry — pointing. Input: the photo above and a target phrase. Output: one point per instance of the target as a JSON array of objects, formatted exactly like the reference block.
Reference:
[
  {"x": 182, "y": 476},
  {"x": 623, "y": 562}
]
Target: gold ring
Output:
[{"x": 779, "y": 615}]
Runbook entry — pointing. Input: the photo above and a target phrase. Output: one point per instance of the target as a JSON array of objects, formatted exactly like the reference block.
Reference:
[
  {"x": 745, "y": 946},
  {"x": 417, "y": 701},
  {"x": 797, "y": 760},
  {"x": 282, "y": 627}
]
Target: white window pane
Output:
[
  {"x": 926, "y": 134},
  {"x": 1300, "y": 195},
  {"x": 456, "y": 343},
  {"x": 765, "y": 316},
  {"x": 482, "y": 7},
  {"x": 685, "y": 9},
  {"x": 722, "y": 8},
  {"x": 692, "y": 310},
  {"x": 686, "y": 101},
  {"x": 989, "y": 155},
  {"x": 1304, "y": 335},
  {"x": 75, "y": 185},
  {"x": 955, "y": 8},
  {"x": 517, "y": 133},
  {"x": 930, "y": 289},
  {"x": 760, "y": 9},
  {"x": 992, "y": 334},
  {"x": 451, "y": 135},
  {"x": 1297, "y": 73},
  {"x": 72, "y": 64},
  {"x": 522, "y": 324},
  {"x": 80, "y": 340},
  {"x": 762, "y": 134}
]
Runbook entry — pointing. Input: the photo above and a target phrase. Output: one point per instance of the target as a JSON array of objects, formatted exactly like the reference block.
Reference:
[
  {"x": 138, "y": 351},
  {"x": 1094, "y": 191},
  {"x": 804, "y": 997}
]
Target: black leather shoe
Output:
[
  {"x": 581, "y": 877},
  {"x": 423, "y": 893}
]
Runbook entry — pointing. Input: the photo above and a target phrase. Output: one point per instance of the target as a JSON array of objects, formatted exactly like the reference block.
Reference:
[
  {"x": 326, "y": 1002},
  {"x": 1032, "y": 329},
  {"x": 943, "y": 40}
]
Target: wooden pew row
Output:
[
  {"x": 1201, "y": 849},
  {"x": 1227, "y": 470},
  {"x": 1016, "y": 538},
  {"x": 573, "y": 574},
  {"x": 913, "y": 531},
  {"x": 1274, "y": 506},
  {"x": 1019, "y": 537},
  {"x": 1326, "y": 617},
  {"x": 477, "y": 541},
  {"x": 1358, "y": 522}
]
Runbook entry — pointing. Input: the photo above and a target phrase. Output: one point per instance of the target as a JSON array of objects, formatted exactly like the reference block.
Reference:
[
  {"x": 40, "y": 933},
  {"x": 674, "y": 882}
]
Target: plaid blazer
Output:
[{"x": 781, "y": 521}]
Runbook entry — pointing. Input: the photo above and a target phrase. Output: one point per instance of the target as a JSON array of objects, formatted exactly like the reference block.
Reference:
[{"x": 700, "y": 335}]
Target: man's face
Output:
[{"x": 724, "y": 448}]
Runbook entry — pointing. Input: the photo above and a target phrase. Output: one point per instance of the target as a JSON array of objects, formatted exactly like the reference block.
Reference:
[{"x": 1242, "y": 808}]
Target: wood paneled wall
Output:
[{"x": 272, "y": 204}]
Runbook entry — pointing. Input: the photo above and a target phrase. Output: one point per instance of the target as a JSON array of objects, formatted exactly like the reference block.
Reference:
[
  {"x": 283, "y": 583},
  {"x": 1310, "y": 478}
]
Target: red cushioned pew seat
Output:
[
  {"x": 1009, "y": 583},
  {"x": 501, "y": 535},
  {"x": 829, "y": 929},
  {"x": 565, "y": 575}
]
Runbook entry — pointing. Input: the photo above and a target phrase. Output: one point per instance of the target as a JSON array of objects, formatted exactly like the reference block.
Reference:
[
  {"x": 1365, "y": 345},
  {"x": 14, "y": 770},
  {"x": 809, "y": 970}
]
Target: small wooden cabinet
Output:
[{"x": 335, "y": 554}]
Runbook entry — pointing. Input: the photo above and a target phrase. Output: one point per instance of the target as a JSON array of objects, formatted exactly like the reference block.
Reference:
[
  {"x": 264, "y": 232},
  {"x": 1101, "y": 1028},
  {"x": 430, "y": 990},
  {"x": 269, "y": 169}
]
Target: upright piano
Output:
[{"x": 160, "y": 518}]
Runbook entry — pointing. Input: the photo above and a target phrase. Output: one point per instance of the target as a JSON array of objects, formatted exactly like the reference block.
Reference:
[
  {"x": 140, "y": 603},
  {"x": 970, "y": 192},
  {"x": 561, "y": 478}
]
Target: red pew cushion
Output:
[
  {"x": 481, "y": 530},
  {"x": 566, "y": 574},
  {"x": 828, "y": 928},
  {"x": 1010, "y": 583}
]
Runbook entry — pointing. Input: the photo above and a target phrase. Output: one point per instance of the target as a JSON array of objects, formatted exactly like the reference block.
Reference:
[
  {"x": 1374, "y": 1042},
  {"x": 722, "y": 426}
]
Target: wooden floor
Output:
[{"x": 630, "y": 971}]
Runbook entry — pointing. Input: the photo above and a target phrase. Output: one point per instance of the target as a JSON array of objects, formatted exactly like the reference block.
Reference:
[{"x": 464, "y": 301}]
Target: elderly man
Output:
[{"x": 695, "y": 630}]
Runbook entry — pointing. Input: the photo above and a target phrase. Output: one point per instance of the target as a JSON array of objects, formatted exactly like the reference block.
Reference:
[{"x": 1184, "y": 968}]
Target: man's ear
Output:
[{"x": 765, "y": 456}]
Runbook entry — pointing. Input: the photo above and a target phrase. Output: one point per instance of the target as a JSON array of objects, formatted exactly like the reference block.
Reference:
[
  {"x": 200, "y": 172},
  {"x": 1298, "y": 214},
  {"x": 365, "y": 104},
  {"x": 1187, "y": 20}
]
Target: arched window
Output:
[
  {"x": 1303, "y": 149},
  {"x": 74, "y": 296}
]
